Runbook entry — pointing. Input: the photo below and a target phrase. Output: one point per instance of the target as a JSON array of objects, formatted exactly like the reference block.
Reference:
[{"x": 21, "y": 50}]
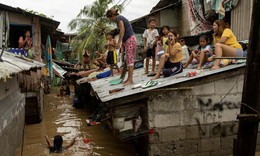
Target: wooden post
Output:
[{"x": 245, "y": 144}]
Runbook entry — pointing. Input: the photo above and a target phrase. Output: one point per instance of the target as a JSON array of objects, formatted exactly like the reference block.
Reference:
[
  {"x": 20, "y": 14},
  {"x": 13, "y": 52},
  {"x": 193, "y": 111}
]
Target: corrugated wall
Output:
[{"x": 241, "y": 19}]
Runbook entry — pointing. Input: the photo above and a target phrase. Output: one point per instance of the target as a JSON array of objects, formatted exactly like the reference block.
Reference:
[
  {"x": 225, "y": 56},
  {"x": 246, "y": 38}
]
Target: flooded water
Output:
[{"x": 61, "y": 118}]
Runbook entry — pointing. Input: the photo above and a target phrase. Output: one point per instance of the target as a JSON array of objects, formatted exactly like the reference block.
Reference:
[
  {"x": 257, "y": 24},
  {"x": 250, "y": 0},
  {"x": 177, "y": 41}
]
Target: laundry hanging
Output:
[
  {"x": 198, "y": 23},
  {"x": 222, "y": 6}
]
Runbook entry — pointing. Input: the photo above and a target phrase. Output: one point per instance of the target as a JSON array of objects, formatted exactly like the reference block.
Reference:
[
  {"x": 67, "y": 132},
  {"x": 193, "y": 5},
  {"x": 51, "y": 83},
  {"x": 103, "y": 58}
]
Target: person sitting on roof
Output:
[
  {"x": 77, "y": 66},
  {"x": 201, "y": 54},
  {"x": 225, "y": 42},
  {"x": 171, "y": 60},
  {"x": 100, "y": 61}
]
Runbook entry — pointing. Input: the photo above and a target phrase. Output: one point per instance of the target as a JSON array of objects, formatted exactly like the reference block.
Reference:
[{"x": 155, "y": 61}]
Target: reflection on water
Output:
[{"x": 61, "y": 118}]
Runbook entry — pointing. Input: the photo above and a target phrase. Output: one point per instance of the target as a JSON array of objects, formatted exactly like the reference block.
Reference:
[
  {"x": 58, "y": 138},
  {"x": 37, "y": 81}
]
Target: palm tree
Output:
[{"x": 91, "y": 26}]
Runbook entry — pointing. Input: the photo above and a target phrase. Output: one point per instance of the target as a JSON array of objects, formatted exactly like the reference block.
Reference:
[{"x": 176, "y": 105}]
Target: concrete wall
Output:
[
  {"x": 8, "y": 86},
  {"x": 184, "y": 24},
  {"x": 12, "y": 112},
  {"x": 169, "y": 17},
  {"x": 193, "y": 122}
]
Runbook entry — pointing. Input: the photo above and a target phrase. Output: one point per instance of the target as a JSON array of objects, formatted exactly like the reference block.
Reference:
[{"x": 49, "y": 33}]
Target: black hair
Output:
[
  {"x": 205, "y": 37},
  {"x": 182, "y": 40},
  {"x": 244, "y": 46},
  {"x": 151, "y": 19},
  {"x": 57, "y": 144},
  {"x": 114, "y": 32},
  {"x": 25, "y": 31},
  {"x": 112, "y": 12},
  {"x": 161, "y": 30}
]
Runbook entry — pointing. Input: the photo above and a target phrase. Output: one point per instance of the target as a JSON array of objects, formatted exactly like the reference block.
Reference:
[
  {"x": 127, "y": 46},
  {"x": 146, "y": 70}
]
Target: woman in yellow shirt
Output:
[
  {"x": 171, "y": 60},
  {"x": 225, "y": 42}
]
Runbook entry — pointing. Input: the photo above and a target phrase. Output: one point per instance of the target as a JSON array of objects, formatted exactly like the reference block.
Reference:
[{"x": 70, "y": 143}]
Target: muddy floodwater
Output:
[{"x": 61, "y": 118}]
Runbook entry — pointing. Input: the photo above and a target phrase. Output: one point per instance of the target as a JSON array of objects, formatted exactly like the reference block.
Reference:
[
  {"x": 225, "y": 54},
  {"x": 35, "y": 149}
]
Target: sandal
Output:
[
  {"x": 137, "y": 86},
  {"x": 150, "y": 84},
  {"x": 151, "y": 74},
  {"x": 115, "y": 81}
]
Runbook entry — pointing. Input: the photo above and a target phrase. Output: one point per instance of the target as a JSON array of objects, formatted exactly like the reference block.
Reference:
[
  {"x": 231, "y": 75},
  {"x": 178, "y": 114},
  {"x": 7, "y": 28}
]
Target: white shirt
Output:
[
  {"x": 208, "y": 48},
  {"x": 150, "y": 36}
]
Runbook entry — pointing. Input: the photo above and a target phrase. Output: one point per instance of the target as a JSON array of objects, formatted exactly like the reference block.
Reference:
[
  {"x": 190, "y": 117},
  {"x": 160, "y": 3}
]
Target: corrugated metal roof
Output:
[
  {"x": 58, "y": 70},
  {"x": 13, "y": 63},
  {"x": 102, "y": 87},
  {"x": 49, "y": 21}
]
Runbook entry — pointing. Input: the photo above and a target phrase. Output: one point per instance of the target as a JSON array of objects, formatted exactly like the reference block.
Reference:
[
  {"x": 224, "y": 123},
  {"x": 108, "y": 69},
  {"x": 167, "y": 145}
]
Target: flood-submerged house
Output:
[
  {"x": 180, "y": 115},
  {"x": 19, "y": 21},
  {"x": 21, "y": 95},
  {"x": 13, "y": 100}
]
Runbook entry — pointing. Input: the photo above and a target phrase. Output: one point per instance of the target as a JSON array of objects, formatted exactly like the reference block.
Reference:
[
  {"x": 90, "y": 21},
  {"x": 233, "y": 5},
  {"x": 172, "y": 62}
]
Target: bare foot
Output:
[
  {"x": 155, "y": 77},
  {"x": 125, "y": 81},
  {"x": 128, "y": 83},
  {"x": 145, "y": 73},
  {"x": 210, "y": 59},
  {"x": 215, "y": 67},
  {"x": 198, "y": 68},
  {"x": 185, "y": 66}
]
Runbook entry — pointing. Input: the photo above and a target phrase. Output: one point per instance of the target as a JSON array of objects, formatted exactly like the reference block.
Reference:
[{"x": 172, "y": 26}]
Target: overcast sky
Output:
[{"x": 65, "y": 10}]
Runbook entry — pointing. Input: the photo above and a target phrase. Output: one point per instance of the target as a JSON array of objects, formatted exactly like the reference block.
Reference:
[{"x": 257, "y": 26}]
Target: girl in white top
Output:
[{"x": 202, "y": 53}]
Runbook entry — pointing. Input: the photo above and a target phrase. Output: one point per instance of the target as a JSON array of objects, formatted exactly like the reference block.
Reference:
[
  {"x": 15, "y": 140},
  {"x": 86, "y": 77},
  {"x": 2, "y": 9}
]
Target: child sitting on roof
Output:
[
  {"x": 201, "y": 54},
  {"x": 100, "y": 61}
]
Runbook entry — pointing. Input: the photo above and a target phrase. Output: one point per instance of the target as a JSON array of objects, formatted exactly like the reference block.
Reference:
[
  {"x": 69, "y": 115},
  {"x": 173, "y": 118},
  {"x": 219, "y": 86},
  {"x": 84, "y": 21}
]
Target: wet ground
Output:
[{"x": 61, "y": 118}]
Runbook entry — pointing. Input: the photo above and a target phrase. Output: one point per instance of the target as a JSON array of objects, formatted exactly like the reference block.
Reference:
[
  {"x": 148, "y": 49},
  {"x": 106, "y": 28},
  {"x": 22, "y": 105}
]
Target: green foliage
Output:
[
  {"x": 37, "y": 13},
  {"x": 91, "y": 26}
]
